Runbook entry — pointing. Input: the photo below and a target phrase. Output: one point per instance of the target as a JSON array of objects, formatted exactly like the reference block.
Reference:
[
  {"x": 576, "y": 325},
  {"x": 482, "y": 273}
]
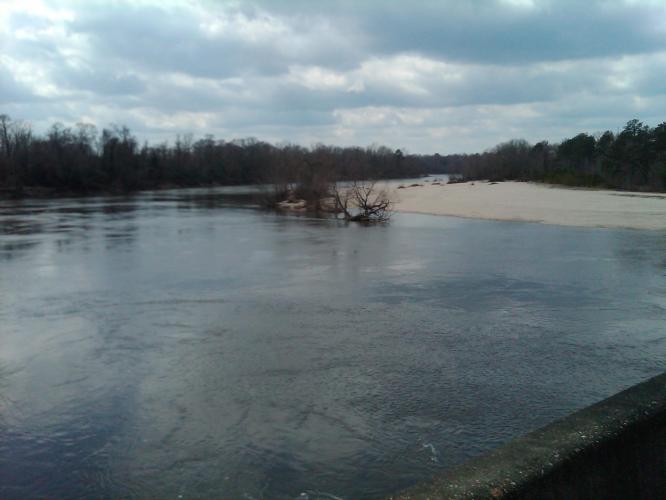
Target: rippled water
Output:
[{"x": 173, "y": 344}]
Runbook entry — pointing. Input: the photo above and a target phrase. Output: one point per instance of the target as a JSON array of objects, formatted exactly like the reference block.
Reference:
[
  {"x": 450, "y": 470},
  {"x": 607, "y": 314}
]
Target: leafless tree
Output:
[
  {"x": 15, "y": 142},
  {"x": 363, "y": 202},
  {"x": 5, "y": 135}
]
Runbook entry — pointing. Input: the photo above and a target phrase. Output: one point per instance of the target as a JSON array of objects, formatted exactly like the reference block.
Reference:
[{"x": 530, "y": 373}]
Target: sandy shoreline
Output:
[{"x": 530, "y": 202}]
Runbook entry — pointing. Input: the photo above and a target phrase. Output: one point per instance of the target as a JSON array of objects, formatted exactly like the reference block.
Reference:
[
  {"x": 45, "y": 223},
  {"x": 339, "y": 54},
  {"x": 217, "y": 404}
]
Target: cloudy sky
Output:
[{"x": 427, "y": 76}]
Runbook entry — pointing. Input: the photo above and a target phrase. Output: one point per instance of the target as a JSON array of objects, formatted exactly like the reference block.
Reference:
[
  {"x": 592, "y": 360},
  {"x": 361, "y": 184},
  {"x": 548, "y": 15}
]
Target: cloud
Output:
[
  {"x": 438, "y": 76},
  {"x": 214, "y": 43},
  {"x": 499, "y": 31}
]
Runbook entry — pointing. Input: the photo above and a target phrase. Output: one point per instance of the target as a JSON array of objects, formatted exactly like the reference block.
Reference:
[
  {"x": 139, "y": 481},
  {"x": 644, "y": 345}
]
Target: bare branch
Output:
[{"x": 363, "y": 202}]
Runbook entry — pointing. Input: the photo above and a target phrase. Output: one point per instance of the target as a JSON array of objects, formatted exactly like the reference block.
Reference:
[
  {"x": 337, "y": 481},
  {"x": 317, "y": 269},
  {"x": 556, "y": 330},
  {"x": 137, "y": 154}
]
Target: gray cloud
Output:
[
  {"x": 217, "y": 43},
  {"x": 98, "y": 81},
  {"x": 439, "y": 76},
  {"x": 495, "y": 31},
  {"x": 553, "y": 31},
  {"x": 11, "y": 91}
]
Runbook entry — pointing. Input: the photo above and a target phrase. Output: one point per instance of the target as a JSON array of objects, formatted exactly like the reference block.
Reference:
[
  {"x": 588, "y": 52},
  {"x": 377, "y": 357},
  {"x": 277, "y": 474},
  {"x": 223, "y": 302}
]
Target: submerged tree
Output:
[{"x": 363, "y": 202}]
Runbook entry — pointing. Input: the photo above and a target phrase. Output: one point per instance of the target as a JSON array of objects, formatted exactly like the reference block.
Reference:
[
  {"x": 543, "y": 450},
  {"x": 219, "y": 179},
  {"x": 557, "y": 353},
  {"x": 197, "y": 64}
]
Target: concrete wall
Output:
[{"x": 613, "y": 449}]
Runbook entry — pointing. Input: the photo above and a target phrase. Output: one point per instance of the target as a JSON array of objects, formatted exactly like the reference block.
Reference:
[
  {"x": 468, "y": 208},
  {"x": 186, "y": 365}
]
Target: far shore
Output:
[{"x": 532, "y": 202}]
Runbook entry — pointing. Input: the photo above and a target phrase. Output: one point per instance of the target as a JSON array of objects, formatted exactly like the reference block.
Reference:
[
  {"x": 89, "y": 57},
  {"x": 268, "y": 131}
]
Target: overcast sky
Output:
[{"x": 429, "y": 76}]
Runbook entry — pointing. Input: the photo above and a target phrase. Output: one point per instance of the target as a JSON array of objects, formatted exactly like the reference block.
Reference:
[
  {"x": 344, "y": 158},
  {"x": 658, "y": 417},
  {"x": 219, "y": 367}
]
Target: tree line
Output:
[
  {"x": 79, "y": 159},
  {"x": 633, "y": 158},
  {"x": 82, "y": 160}
]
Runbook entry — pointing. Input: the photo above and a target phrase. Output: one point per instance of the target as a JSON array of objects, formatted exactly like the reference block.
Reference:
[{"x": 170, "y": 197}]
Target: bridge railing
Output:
[{"x": 613, "y": 449}]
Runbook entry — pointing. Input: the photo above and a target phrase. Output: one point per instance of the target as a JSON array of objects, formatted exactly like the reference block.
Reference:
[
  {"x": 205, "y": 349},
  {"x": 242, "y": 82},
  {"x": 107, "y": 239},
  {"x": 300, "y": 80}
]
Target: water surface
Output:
[{"x": 173, "y": 344}]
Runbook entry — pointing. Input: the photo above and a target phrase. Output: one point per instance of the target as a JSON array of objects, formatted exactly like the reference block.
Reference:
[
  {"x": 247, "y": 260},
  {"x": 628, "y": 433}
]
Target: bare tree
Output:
[
  {"x": 363, "y": 202},
  {"x": 5, "y": 135},
  {"x": 15, "y": 142}
]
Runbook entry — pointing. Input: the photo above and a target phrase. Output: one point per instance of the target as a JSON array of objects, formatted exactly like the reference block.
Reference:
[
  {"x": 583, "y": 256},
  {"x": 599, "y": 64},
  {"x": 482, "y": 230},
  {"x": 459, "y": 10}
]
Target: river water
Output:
[{"x": 177, "y": 344}]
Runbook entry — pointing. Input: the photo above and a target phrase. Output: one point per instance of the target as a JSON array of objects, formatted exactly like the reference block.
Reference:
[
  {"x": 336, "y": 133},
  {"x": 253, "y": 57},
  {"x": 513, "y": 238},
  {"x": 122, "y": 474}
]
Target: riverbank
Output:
[{"x": 531, "y": 202}]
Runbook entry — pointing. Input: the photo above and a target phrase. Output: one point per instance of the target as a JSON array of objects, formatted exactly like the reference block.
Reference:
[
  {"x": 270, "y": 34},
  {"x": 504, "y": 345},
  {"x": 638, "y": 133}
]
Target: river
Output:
[{"x": 181, "y": 344}]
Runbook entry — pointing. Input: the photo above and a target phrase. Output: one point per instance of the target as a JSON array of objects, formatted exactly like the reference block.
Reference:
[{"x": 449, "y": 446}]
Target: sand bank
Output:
[{"x": 530, "y": 202}]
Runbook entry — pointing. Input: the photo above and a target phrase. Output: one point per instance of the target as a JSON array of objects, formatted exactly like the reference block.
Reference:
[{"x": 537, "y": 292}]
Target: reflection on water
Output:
[{"x": 174, "y": 343}]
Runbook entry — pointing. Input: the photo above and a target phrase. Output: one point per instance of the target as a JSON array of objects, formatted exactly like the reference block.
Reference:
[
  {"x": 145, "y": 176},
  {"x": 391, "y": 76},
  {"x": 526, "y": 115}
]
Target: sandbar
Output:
[{"x": 533, "y": 202}]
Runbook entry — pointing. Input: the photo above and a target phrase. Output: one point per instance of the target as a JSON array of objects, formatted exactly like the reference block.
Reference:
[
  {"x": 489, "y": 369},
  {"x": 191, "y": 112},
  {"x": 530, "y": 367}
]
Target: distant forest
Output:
[
  {"x": 634, "y": 158},
  {"x": 81, "y": 160}
]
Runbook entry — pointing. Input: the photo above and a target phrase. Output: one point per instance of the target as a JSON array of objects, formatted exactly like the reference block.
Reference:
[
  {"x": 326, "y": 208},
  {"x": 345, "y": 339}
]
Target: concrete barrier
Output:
[{"x": 613, "y": 449}]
